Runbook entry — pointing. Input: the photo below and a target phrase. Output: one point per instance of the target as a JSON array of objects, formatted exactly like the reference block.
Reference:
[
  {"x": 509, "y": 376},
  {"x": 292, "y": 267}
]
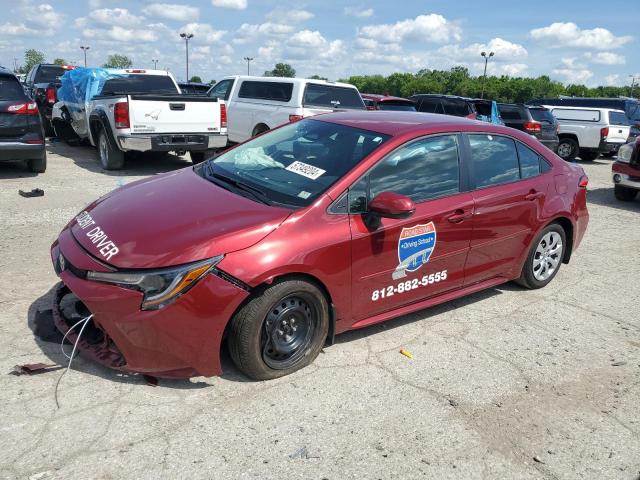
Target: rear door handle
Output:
[
  {"x": 176, "y": 106},
  {"x": 533, "y": 196},
  {"x": 459, "y": 216}
]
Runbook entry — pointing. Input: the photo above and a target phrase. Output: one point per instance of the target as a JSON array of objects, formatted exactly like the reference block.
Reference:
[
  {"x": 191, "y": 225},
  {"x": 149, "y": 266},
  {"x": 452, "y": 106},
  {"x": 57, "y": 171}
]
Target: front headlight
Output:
[
  {"x": 160, "y": 287},
  {"x": 625, "y": 152}
]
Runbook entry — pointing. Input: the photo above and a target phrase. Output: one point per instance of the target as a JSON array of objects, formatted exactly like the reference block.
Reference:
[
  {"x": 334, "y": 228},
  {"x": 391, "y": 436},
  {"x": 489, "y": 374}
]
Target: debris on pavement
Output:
[
  {"x": 618, "y": 364},
  {"x": 406, "y": 353},
  {"x": 453, "y": 403},
  {"x": 537, "y": 459},
  {"x": 302, "y": 453},
  {"x": 34, "y": 368},
  {"x": 36, "y": 192}
]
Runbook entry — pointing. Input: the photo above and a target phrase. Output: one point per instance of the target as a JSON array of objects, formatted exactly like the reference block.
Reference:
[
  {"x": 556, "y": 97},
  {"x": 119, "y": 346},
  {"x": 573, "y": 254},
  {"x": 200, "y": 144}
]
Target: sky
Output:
[{"x": 574, "y": 41}]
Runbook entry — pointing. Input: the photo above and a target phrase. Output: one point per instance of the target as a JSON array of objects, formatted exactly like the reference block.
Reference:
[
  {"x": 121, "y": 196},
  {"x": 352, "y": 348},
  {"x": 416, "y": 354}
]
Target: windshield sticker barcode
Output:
[{"x": 305, "y": 170}]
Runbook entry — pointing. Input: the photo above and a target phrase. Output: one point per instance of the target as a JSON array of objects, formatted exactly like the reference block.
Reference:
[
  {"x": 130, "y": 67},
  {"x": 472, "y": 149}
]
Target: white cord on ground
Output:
[
  {"x": 69, "y": 331},
  {"x": 73, "y": 352}
]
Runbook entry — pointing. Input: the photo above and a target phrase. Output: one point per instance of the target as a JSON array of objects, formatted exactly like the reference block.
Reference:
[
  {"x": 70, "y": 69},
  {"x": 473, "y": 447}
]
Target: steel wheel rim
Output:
[
  {"x": 288, "y": 331},
  {"x": 564, "y": 150},
  {"x": 547, "y": 256},
  {"x": 103, "y": 150}
]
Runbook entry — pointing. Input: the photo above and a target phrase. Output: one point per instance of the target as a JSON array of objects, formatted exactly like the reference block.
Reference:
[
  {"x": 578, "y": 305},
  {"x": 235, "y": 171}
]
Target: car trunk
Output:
[
  {"x": 12, "y": 126},
  {"x": 163, "y": 113}
]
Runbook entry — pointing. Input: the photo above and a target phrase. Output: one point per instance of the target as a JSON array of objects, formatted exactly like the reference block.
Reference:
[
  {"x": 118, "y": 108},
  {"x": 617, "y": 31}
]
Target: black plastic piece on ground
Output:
[{"x": 36, "y": 192}]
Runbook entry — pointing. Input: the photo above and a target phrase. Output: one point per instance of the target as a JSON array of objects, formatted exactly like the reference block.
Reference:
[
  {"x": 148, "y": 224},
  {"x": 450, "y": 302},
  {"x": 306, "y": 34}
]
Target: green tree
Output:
[
  {"x": 59, "y": 61},
  {"x": 31, "y": 57},
  {"x": 118, "y": 61},
  {"x": 195, "y": 79},
  {"x": 281, "y": 70},
  {"x": 318, "y": 77}
]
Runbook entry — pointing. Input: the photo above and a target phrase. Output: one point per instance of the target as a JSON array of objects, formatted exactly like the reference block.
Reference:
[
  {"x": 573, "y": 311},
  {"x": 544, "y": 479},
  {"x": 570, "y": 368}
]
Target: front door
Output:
[{"x": 403, "y": 261}]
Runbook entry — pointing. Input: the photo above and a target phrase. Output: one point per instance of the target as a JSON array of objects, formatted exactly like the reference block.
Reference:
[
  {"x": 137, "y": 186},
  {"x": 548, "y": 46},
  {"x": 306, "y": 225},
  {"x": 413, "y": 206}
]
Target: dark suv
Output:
[
  {"x": 42, "y": 84},
  {"x": 534, "y": 120},
  {"x": 21, "y": 135},
  {"x": 445, "y": 105}
]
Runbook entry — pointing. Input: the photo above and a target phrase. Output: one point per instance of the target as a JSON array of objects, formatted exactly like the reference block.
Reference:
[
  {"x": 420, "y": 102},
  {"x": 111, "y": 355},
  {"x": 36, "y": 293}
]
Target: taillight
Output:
[
  {"x": 121, "y": 115},
  {"x": 533, "y": 127},
  {"x": 584, "y": 181},
  {"x": 136, "y": 71},
  {"x": 223, "y": 115},
  {"x": 51, "y": 95},
  {"x": 295, "y": 118},
  {"x": 23, "y": 108},
  {"x": 604, "y": 132}
]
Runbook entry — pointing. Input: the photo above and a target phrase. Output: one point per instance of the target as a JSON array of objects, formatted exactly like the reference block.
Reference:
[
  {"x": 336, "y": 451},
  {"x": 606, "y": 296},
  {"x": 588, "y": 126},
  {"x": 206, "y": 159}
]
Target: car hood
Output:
[{"x": 172, "y": 219}]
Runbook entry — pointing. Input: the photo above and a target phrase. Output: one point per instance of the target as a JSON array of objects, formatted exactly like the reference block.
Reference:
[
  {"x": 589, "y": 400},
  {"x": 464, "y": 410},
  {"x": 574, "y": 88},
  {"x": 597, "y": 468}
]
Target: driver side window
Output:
[{"x": 422, "y": 170}]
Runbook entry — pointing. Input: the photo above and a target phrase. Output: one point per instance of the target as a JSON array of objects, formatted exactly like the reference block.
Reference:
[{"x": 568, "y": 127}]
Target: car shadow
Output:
[
  {"x": 18, "y": 169},
  {"x": 136, "y": 163},
  {"x": 605, "y": 197}
]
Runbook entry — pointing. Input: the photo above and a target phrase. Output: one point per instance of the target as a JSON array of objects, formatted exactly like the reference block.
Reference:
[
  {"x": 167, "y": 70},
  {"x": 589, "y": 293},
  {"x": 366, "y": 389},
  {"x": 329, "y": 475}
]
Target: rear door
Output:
[
  {"x": 408, "y": 260},
  {"x": 12, "y": 125},
  {"x": 509, "y": 195}
]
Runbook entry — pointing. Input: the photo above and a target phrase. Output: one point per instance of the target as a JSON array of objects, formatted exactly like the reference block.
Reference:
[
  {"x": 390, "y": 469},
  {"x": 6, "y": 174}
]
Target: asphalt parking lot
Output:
[{"x": 504, "y": 384}]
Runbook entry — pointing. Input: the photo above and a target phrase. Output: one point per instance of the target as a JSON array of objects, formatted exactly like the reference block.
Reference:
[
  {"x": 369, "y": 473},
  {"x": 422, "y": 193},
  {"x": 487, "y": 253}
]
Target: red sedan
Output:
[
  {"x": 375, "y": 101},
  {"x": 321, "y": 226}
]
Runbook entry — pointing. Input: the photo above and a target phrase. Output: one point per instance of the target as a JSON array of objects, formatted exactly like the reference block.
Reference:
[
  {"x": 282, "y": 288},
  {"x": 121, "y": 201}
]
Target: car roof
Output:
[
  {"x": 5, "y": 72},
  {"x": 566, "y": 107},
  {"x": 384, "y": 98},
  {"x": 301, "y": 81},
  {"x": 396, "y": 123},
  {"x": 442, "y": 95}
]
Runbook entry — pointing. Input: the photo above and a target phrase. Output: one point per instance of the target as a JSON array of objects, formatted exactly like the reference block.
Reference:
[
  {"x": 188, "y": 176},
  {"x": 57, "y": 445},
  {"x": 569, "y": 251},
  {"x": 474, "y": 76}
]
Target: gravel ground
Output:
[{"x": 506, "y": 383}]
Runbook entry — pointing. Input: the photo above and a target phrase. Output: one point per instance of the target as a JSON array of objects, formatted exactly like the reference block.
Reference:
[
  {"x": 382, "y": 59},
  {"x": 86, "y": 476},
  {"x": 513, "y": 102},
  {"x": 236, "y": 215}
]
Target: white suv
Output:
[
  {"x": 257, "y": 104},
  {"x": 589, "y": 132}
]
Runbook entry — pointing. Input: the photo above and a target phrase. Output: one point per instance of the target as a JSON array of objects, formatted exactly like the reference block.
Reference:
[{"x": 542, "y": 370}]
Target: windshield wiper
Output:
[{"x": 251, "y": 190}]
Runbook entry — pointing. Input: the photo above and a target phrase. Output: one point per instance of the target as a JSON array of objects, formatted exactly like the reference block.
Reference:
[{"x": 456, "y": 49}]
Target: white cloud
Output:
[
  {"x": 172, "y": 11},
  {"x": 232, "y": 4},
  {"x": 358, "y": 12},
  {"x": 605, "y": 58},
  {"x": 568, "y": 34},
  {"x": 290, "y": 16},
  {"x": 119, "y": 17},
  {"x": 503, "y": 49},
  {"x": 18, "y": 29},
  {"x": 204, "y": 32},
  {"x": 572, "y": 71},
  {"x": 121, "y": 34},
  {"x": 45, "y": 16},
  {"x": 424, "y": 28},
  {"x": 612, "y": 80},
  {"x": 312, "y": 46},
  {"x": 251, "y": 32}
]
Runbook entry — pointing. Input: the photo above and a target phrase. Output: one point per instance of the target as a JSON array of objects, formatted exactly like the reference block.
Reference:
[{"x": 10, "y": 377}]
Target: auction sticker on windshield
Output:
[{"x": 305, "y": 170}]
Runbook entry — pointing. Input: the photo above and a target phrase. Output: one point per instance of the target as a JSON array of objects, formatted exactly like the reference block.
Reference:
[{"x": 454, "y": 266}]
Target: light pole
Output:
[
  {"x": 484, "y": 77},
  {"x": 187, "y": 37},
  {"x": 248, "y": 60},
  {"x": 633, "y": 82},
  {"x": 155, "y": 64},
  {"x": 84, "y": 49}
]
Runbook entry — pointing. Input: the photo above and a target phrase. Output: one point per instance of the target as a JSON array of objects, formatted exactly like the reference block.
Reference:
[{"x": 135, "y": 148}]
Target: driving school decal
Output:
[
  {"x": 415, "y": 246},
  {"x": 105, "y": 246}
]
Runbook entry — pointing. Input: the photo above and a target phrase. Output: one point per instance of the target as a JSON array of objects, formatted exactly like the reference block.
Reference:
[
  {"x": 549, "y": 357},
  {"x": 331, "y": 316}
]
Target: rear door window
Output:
[
  {"x": 458, "y": 108},
  {"x": 330, "y": 96},
  {"x": 10, "y": 89},
  {"x": 275, "y": 91},
  {"x": 494, "y": 160}
]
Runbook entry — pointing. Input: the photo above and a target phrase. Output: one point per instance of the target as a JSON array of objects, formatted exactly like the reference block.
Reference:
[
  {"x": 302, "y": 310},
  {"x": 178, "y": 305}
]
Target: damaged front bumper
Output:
[{"x": 180, "y": 340}]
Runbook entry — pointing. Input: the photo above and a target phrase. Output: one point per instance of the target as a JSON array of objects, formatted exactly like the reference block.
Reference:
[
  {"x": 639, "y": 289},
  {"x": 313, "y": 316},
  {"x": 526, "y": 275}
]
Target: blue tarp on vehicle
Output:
[{"x": 82, "y": 84}]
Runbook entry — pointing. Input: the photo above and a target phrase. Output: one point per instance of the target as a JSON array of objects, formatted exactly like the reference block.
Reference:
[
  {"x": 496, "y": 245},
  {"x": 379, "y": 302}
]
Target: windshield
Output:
[
  {"x": 137, "y": 83},
  {"x": 397, "y": 106},
  {"x": 10, "y": 89},
  {"x": 618, "y": 118},
  {"x": 294, "y": 164},
  {"x": 49, "y": 74}
]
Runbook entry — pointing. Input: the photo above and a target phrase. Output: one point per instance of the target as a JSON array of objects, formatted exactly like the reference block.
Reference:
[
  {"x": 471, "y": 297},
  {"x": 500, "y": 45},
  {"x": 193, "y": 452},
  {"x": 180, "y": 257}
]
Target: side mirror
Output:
[{"x": 392, "y": 205}]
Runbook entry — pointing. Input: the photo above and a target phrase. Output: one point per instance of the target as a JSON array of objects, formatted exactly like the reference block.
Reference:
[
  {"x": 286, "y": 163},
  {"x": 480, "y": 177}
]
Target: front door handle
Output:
[
  {"x": 531, "y": 196},
  {"x": 459, "y": 215}
]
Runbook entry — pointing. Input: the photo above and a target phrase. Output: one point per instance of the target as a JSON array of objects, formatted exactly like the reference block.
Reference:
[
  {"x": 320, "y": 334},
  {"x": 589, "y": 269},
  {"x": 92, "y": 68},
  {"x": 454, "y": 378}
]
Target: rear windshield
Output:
[
  {"x": 542, "y": 115},
  {"x": 330, "y": 96},
  {"x": 194, "y": 89},
  {"x": 618, "y": 118},
  {"x": 10, "y": 89},
  {"x": 456, "y": 107},
  {"x": 397, "y": 106},
  {"x": 48, "y": 74},
  {"x": 136, "y": 83}
]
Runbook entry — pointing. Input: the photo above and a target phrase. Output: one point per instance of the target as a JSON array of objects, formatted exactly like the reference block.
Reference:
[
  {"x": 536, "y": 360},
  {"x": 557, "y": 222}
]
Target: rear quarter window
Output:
[
  {"x": 330, "y": 96},
  {"x": 275, "y": 91},
  {"x": 10, "y": 89},
  {"x": 576, "y": 115}
]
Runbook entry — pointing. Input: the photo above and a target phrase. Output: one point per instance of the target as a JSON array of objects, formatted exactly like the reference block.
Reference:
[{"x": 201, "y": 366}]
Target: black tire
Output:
[
  {"x": 568, "y": 149},
  {"x": 625, "y": 194},
  {"x": 528, "y": 276},
  {"x": 278, "y": 308},
  {"x": 65, "y": 132},
  {"x": 110, "y": 157},
  {"x": 38, "y": 165},
  {"x": 609, "y": 154},
  {"x": 259, "y": 129},
  {"x": 588, "y": 156},
  {"x": 198, "y": 157}
]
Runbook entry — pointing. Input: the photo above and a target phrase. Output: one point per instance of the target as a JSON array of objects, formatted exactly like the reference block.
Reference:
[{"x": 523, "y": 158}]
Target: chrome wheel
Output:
[
  {"x": 103, "y": 150},
  {"x": 565, "y": 150},
  {"x": 288, "y": 331},
  {"x": 548, "y": 256}
]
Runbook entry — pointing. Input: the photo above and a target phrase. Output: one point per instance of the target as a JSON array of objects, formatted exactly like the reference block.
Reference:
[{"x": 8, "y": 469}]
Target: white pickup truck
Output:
[
  {"x": 589, "y": 132},
  {"x": 136, "y": 110},
  {"x": 258, "y": 104}
]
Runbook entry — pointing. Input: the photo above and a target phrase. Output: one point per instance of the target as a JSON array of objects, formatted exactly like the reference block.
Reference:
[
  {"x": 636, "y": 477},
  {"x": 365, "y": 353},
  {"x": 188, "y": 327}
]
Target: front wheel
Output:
[
  {"x": 279, "y": 331},
  {"x": 111, "y": 158},
  {"x": 568, "y": 149},
  {"x": 545, "y": 257},
  {"x": 624, "y": 194}
]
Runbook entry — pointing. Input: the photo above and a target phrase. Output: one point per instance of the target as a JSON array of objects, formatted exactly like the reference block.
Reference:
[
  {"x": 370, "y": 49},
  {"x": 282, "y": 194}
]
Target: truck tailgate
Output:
[{"x": 174, "y": 114}]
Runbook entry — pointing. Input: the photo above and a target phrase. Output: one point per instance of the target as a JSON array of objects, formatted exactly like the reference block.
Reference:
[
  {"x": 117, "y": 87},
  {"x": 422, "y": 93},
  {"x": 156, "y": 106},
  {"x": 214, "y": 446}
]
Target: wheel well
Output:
[
  {"x": 260, "y": 128},
  {"x": 568, "y": 135},
  {"x": 567, "y": 226}
]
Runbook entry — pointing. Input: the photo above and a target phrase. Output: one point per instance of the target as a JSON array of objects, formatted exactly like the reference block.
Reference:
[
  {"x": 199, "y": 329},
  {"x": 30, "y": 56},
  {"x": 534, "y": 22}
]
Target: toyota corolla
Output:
[{"x": 321, "y": 226}]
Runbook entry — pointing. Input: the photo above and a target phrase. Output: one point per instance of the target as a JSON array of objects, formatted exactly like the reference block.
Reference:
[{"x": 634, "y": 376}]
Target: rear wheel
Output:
[
  {"x": 588, "y": 156},
  {"x": 110, "y": 157},
  {"x": 567, "y": 149},
  {"x": 65, "y": 132},
  {"x": 259, "y": 130},
  {"x": 625, "y": 194},
  {"x": 609, "y": 154},
  {"x": 280, "y": 331},
  {"x": 545, "y": 257},
  {"x": 38, "y": 165}
]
